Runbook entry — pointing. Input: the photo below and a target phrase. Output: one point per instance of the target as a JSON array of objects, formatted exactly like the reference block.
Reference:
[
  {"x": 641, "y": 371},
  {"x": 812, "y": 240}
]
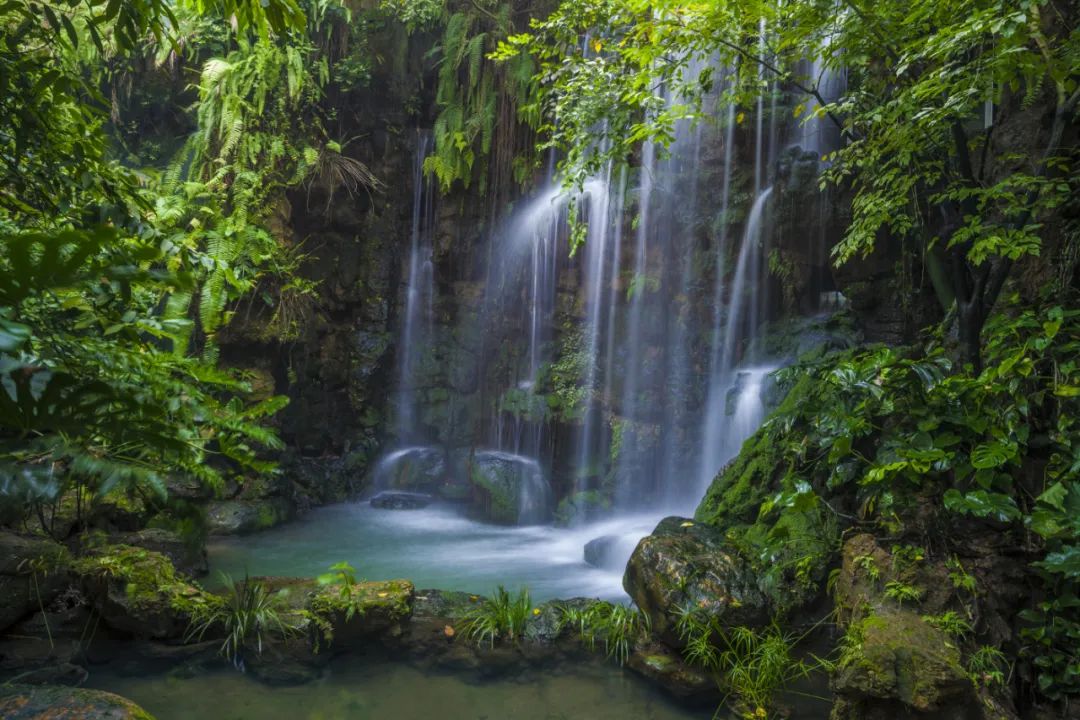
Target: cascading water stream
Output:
[{"x": 418, "y": 317}]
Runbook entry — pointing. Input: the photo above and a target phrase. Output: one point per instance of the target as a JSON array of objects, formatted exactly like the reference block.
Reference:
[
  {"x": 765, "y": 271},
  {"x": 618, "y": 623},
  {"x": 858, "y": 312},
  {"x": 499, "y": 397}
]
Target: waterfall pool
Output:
[
  {"x": 438, "y": 548},
  {"x": 362, "y": 690}
]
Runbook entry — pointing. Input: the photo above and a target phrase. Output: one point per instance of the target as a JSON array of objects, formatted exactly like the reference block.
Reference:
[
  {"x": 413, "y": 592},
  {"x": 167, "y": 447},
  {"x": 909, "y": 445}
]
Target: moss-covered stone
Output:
[
  {"x": 684, "y": 563},
  {"x": 737, "y": 491},
  {"x": 894, "y": 655},
  {"x": 138, "y": 591},
  {"x": 350, "y": 613},
  {"x": 42, "y": 702}
]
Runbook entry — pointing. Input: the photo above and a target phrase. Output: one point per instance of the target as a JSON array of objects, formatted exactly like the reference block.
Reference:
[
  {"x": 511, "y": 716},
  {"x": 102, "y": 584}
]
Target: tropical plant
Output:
[
  {"x": 250, "y": 616},
  {"x": 502, "y": 616},
  {"x": 617, "y": 626},
  {"x": 752, "y": 665}
]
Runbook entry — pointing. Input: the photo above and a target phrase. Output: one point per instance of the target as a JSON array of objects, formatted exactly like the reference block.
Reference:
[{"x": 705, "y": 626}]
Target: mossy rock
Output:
[
  {"x": 508, "y": 489},
  {"x": 239, "y": 517},
  {"x": 349, "y": 614},
  {"x": 44, "y": 702},
  {"x": 138, "y": 591},
  {"x": 897, "y": 658},
  {"x": 684, "y": 563},
  {"x": 21, "y": 557},
  {"x": 739, "y": 488}
]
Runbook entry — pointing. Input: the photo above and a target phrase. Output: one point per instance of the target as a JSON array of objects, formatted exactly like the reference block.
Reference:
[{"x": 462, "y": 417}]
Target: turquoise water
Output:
[
  {"x": 394, "y": 691},
  {"x": 436, "y": 547}
]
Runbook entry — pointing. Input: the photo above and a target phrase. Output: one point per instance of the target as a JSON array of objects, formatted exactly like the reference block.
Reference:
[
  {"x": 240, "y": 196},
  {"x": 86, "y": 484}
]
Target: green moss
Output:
[
  {"x": 500, "y": 502},
  {"x": 149, "y": 578},
  {"x": 738, "y": 490},
  {"x": 896, "y": 654},
  {"x": 355, "y": 610}
]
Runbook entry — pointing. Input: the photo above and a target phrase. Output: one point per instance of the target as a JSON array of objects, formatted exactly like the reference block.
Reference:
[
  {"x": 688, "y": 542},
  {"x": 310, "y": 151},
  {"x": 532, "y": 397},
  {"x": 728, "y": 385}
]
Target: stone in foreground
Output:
[{"x": 41, "y": 702}]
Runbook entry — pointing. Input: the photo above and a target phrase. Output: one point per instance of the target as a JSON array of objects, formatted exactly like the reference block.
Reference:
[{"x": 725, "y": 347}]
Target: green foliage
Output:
[
  {"x": 888, "y": 426},
  {"x": 902, "y": 592},
  {"x": 342, "y": 576},
  {"x": 752, "y": 665},
  {"x": 499, "y": 617},
  {"x": 416, "y": 14},
  {"x": 479, "y": 101},
  {"x": 249, "y": 616},
  {"x": 988, "y": 667},
  {"x": 950, "y": 623},
  {"x": 97, "y": 396},
  {"x": 618, "y": 626}
]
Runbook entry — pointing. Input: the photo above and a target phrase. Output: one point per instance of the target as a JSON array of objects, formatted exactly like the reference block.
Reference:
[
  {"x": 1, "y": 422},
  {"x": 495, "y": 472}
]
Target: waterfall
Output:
[
  {"x": 418, "y": 317},
  {"x": 715, "y": 451}
]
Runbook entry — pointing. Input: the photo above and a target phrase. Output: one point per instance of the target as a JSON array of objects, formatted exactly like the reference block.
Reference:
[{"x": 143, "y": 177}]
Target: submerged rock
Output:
[
  {"x": 690, "y": 565},
  {"x": 38, "y": 702},
  {"x": 602, "y": 552},
  {"x": 399, "y": 500},
  {"x": 659, "y": 664},
  {"x": 509, "y": 489}
]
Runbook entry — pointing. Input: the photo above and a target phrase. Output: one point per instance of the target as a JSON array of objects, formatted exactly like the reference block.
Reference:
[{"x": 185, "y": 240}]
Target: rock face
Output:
[
  {"x": 394, "y": 500},
  {"x": 37, "y": 702},
  {"x": 688, "y": 564},
  {"x": 21, "y": 557},
  {"x": 899, "y": 665},
  {"x": 508, "y": 489},
  {"x": 238, "y": 517}
]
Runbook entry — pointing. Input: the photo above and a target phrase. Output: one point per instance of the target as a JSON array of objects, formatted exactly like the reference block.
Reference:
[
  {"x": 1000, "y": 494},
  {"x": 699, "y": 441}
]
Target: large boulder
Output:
[
  {"x": 420, "y": 469},
  {"x": 42, "y": 702},
  {"x": 896, "y": 665},
  {"x": 508, "y": 489},
  {"x": 686, "y": 564},
  {"x": 31, "y": 574},
  {"x": 239, "y": 517},
  {"x": 138, "y": 591}
]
